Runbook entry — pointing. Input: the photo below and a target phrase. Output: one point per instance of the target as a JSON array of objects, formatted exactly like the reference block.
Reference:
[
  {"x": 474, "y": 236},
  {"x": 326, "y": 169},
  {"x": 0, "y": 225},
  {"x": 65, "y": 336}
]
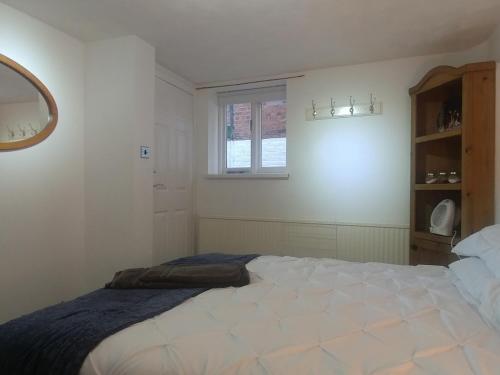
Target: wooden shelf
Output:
[
  {"x": 435, "y": 237},
  {"x": 433, "y": 187},
  {"x": 438, "y": 136}
]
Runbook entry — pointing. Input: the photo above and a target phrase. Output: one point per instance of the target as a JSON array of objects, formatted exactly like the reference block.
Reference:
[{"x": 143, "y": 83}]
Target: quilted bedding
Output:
[{"x": 312, "y": 316}]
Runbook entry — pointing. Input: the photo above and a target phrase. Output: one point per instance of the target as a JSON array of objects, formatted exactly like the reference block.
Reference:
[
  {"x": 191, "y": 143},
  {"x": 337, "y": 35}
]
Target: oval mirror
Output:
[{"x": 28, "y": 112}]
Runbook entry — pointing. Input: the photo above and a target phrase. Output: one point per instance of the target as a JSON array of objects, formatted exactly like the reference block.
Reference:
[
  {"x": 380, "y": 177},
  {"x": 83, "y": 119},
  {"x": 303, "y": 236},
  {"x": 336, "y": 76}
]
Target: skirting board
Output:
[{"x": 352, "y": 242}]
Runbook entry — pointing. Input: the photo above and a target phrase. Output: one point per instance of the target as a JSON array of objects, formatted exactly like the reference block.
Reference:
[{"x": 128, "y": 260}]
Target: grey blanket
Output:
[{"x": 177, "y": 276}]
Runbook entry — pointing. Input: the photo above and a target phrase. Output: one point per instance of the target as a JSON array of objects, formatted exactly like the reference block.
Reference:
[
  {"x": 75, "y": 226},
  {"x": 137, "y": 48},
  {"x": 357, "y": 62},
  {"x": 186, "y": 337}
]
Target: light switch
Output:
[{"x": 145, "y": 152}]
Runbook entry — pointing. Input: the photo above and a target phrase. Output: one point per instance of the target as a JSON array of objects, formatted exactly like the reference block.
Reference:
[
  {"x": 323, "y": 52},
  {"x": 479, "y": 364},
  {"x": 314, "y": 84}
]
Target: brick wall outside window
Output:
[
  {"x": 273, "y": 120},
  {"x": 242, "y": 115}
]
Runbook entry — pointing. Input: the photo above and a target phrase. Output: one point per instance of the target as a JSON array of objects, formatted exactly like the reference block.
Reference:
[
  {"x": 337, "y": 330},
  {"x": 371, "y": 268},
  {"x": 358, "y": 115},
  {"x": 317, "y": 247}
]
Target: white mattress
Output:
[{"x": 312, "y": 316}]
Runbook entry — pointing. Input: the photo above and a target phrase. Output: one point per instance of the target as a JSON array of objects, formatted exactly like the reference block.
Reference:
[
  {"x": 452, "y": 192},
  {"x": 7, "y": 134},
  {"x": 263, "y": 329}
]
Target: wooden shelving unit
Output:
[
  {"x": 430, "y": 187},
  {"x": 438, "y": 136},
  {"x": 468, "y": 150},
  {"x": 436, "y": 238}
]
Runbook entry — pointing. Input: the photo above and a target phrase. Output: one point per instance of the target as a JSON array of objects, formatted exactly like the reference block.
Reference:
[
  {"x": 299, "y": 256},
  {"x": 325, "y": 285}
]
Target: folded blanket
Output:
[{"x": 177, "y": 276}]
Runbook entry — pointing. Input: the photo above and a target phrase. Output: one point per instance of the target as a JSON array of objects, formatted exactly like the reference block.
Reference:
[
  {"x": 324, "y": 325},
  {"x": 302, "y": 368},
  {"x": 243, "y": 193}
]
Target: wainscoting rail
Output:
[{"x": 303, "y": 238}]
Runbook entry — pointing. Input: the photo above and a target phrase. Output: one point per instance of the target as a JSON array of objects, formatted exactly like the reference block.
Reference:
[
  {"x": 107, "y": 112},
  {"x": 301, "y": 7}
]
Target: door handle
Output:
[{"x": 159, "y": 186}]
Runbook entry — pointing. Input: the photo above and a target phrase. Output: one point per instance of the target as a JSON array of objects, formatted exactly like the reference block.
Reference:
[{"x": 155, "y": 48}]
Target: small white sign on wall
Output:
[{"x": 145, "y": 152}]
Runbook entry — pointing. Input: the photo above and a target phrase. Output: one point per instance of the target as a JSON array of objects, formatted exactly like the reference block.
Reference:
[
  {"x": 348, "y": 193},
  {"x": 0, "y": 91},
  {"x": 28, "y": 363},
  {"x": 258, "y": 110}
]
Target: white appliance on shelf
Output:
[{"x": 443, "y": 218}]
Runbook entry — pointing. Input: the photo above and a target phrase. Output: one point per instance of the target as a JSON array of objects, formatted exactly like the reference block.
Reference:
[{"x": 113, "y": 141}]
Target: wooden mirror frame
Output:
[{"x": 49, "y": 99}]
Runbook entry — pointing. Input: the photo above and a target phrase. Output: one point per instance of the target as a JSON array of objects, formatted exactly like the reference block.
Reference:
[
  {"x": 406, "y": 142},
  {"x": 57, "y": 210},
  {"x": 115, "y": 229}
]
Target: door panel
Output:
[
  {"x": 173, "y": 173},
  {"x": 160, "y": 237}
]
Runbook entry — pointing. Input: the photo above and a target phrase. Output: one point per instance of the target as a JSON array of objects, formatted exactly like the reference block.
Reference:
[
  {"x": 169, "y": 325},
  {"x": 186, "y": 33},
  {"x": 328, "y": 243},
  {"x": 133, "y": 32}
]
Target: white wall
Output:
[
  {"x": 41, "y": 188},
  {"x": 118, "y": 183},
  {"x": 79, "y": 206},
  {"x": 354, "y": 170},
  {"x": 349, "y": 186},
  {"x": 494, "y": 45}
]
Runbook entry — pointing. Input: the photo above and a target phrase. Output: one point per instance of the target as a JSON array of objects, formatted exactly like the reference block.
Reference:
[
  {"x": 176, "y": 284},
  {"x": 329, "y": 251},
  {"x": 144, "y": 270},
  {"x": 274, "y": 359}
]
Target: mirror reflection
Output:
[{"x": 23, "y": 110}]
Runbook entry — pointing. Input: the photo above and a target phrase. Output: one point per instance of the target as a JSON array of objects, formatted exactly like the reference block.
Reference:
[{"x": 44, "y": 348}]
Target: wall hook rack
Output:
[
  {"x": 20, "y": 131},
  {"x": 350, "y": 109}
]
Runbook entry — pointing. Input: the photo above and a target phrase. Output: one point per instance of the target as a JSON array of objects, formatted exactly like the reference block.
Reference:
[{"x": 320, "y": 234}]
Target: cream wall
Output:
[
  {"x": 119, "y": 112},
  {"x": 79, "y": 206},
  {"x": 494, "y": 45},
  {"x": 349, "y": 178},
  {"x": 353, "y": 170},
  {"x": 41, "y": 188}
]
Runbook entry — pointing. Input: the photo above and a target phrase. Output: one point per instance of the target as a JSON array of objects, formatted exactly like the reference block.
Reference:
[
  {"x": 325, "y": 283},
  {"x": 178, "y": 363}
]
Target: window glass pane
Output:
[
  {"x": 274, "y": 133},
  {"x": 238, "y": 135}
]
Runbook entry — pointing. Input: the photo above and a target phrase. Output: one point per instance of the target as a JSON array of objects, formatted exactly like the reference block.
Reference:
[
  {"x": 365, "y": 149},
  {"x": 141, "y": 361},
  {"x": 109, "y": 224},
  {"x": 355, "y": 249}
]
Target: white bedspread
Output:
[{"x": 312, "y": 316}]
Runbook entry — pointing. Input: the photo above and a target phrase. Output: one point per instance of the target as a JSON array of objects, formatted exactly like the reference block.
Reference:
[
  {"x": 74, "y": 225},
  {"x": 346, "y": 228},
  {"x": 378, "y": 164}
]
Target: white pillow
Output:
[
  {"x": 478, "y": 243},
  {"x": 490, "y": 303},
  {"x": 484, "y": 244},
  {"x": 492, "y": 260},
  {"x": 474, "y": 275}
]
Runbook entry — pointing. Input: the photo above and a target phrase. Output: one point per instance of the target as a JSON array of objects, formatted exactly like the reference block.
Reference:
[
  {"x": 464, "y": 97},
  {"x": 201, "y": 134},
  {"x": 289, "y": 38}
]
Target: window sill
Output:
[{"x": 247, "y": 176}]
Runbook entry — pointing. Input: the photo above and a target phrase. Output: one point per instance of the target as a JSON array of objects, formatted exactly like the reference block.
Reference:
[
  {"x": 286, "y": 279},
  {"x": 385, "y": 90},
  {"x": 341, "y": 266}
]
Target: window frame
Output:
[{"x": 255, "y": 97}]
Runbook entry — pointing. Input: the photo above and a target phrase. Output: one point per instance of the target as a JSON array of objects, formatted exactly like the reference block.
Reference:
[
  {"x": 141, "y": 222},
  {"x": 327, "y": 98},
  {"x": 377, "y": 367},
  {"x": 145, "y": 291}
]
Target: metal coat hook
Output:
[
  {"x": 11, "y": 132},
  {"x": 33, "y": 130},
  {"x": 22, "y": 130},
  {"x": 351, "y": 103},
  {"x": 372, "y": 103},
  {"x": 332, "y": 107},
  {"x": 315, "y": 113}
]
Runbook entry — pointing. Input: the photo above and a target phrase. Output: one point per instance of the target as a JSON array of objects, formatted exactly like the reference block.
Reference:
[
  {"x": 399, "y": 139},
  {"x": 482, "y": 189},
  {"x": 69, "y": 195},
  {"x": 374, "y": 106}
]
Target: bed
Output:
[{"x": 313, "y": 316}]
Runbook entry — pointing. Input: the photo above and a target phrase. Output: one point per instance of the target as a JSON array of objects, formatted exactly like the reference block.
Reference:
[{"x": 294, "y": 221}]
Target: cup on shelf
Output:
[
  {"x": 430, "y": 178},
  {"x": 442, "y": 177},
  {"x": 454, "y": 177}
]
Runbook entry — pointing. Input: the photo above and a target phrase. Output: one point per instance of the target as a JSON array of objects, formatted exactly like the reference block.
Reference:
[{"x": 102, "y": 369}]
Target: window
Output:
[{"x": 253, "y": 131}]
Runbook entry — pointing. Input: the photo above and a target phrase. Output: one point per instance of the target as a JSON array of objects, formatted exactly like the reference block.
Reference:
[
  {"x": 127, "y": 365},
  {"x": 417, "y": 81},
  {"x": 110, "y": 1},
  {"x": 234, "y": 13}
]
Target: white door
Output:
[{"x": 173, "y": 221}]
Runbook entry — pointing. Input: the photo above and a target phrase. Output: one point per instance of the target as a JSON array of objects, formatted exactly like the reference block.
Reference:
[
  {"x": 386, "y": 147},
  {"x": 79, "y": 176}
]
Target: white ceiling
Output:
[{"x": 216, "y": 40}]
